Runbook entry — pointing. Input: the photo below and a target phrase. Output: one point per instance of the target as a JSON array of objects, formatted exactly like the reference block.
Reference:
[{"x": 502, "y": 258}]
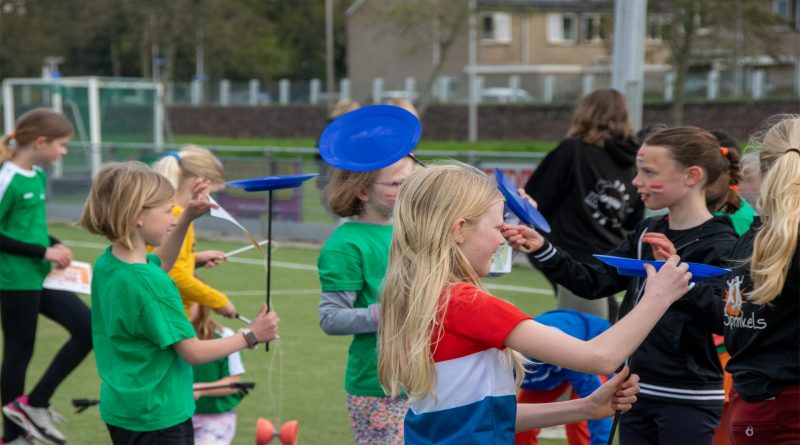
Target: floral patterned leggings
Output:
[{"x": 377, "y": 420}]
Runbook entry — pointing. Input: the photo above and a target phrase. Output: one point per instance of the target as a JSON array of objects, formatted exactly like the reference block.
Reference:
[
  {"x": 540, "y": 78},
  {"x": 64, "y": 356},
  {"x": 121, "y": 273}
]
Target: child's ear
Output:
[
  {"x": 39, "y": 141},
  {"x": 458, "y": 230},
  {"x": 694, "y": 175},
  {"x": 362, "y": 195}
]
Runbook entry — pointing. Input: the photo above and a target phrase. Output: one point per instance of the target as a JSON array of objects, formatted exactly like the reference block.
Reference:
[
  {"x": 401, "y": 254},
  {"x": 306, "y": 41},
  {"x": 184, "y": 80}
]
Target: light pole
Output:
[{"x": 329, "y": 68}]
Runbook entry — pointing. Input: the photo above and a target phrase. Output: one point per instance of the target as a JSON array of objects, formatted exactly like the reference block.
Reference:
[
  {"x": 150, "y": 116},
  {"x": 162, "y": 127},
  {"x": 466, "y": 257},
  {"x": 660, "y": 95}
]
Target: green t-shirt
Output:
[
  {"x": 213, "y": 371},
  {"x": 742, "y": 218},
  {"x": 355, "y": 258},
  {"x": 23, "y": 217},
  {"x": 137, "y": 317}
]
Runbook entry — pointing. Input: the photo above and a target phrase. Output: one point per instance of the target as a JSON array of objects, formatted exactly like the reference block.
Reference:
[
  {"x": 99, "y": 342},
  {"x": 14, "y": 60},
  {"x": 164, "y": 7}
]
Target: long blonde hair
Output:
[
  {"x": 120, "y": 193},
  {"x": 191, "y": 161},
  {"x": 424, "y": 261},
  {"x": 39, "y": 122},
  {"x": 776, "y": 241},
  {"x": 203, "y": 324}
]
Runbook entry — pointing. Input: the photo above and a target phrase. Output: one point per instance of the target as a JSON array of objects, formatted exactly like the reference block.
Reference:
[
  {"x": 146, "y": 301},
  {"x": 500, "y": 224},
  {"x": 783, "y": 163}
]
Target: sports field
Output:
[{"x": 301, "y": 377}]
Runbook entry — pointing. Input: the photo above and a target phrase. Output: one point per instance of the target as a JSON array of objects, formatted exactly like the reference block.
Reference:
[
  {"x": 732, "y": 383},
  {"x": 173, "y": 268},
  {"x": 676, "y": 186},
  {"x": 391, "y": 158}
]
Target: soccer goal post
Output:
[{"x": 100, "y": 109}]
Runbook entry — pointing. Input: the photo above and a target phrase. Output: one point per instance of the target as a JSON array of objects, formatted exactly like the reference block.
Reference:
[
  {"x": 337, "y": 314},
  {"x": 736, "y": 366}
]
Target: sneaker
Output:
[{"x": 37, "y": 422}]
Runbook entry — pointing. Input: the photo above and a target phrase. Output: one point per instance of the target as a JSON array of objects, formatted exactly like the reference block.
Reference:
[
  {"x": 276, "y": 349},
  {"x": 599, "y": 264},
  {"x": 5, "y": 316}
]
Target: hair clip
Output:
[
  {"x": 724, "y": 151},
  {"x": 174, "y": 154}
]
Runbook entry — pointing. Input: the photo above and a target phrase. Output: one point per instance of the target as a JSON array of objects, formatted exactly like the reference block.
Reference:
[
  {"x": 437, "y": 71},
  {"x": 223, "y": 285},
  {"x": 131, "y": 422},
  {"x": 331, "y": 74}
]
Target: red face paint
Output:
[
  {"x": 639, "y": 158},
  {"x": 656, "y": 189}
]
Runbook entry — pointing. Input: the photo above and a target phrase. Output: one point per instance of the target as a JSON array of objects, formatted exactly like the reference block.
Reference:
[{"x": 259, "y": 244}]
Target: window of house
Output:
[
  {"x": 591, "y": 28},
  {"x": 788, "y": 11},
  {"x": 561, "y": 28},
  {"x": 781, "y": 9},
  {"x": 496, "y": 27}
]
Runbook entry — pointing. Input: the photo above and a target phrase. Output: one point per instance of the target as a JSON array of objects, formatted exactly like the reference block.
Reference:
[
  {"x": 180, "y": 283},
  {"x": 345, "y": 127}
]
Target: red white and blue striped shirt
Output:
[{"x": 474, "y": 399}]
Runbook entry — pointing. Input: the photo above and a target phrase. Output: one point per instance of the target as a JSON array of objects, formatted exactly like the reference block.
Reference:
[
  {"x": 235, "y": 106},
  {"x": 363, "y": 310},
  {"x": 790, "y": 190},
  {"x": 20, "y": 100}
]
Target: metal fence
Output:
[
  {"x": 299, "y": 214},
  {"x": 778, "y": 81}
]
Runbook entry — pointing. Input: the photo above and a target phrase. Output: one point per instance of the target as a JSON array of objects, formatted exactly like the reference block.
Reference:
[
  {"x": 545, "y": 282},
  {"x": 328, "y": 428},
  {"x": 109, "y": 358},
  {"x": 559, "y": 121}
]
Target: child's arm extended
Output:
[
  {"x": 195, "y": 351},
  {"x": 337, "y": 316},
  {"x": 197, "y": 206},
  {"x": 618, "y": 394},
  {"x": 604, "y": 353},
  {"x": 220, "y": 389}
]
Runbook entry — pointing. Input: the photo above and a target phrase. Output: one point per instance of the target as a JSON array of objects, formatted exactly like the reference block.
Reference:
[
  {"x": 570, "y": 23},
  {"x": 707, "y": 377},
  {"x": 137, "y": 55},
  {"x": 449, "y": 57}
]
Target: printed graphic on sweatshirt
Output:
[
  {"x": 734, "y": 309},
  {"x": 609, "y": 203}
]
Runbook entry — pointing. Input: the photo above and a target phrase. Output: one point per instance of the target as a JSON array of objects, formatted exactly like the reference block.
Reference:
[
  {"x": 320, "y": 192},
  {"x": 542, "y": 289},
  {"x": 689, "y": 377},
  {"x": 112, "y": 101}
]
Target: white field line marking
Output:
[{"x": 298, "y": 266}]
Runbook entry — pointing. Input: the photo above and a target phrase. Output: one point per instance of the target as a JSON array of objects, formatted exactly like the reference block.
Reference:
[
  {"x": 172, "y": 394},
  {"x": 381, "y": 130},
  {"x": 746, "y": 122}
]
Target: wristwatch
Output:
[{"x": 250, "y": 338}]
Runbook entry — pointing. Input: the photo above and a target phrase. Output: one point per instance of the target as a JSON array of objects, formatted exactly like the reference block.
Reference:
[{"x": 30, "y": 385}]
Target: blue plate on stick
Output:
[
  {"x": 520, "y": 206},
  {"x": 635, "y": 268},
  {"x": 370, "y": 138},
  {"x": 271, "y": 182}
]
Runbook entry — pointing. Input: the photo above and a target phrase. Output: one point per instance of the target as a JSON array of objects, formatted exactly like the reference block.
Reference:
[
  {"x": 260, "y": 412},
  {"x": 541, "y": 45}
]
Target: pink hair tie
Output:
[{"x": 724, "y": 151}]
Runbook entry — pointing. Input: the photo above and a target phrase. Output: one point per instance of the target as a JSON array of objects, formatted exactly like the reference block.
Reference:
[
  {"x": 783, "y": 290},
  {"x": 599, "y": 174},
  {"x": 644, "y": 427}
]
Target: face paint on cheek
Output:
[{"x": 656, "y": 189}]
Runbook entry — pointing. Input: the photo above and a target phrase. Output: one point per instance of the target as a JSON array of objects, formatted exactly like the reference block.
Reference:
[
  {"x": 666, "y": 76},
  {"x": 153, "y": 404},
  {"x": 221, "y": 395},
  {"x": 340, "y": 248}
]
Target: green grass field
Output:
[{"x": 301, "y": 377}]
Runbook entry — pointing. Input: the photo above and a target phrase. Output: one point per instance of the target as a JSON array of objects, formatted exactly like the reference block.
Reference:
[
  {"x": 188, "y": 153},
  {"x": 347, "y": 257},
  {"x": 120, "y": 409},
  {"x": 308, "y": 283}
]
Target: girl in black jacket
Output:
[
  {"x": 681, "y": 379},
  {"x": 583, "y": 187}
]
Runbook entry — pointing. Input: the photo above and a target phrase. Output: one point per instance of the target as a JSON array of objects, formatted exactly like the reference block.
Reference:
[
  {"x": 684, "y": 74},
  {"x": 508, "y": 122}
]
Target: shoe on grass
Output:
[{"x": 38, "y": 422}]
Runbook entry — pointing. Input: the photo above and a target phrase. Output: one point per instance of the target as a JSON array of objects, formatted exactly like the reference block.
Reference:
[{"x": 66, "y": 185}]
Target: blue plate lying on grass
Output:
[
  {"x": 635, "y": 268},
  {"x": 520, "y": 206},
  {"x": 369, "y": 138},
  {"x": 271, "y": 182}
]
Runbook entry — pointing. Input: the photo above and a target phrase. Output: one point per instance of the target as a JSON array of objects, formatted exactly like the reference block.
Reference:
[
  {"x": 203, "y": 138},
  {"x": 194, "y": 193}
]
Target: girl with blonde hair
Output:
[
  {"x": 454, "y": 349},
  {"x": 352, "y": 265},
  {"x": 762, "y": 299},
  {"x": 144, "y": 344},
  {"x": 185, "y": 169},
  {"x": 26, "y": 254}
]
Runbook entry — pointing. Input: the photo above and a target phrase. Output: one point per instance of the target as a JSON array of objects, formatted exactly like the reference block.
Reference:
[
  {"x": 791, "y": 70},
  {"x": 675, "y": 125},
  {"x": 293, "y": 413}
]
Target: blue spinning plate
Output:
[
  {"x": 520, "y": 206},
  {"x": 635, "y": 268},
  {"x": 370, "y": 138},
  {"x": 271, "y": 182}
]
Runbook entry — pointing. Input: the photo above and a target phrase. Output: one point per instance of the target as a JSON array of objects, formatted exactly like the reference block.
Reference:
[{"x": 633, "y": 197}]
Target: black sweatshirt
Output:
[
  {"x": 677, "y": 362},
  {"x": 585, "y": 192},
  {"x": 763, "y": 340}
]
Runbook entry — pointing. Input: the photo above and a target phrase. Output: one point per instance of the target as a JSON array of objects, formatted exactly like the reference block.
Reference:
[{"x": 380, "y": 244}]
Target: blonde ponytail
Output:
[
  {"x": 776, "y": 242},
  {"x": 191, "y": 161}
]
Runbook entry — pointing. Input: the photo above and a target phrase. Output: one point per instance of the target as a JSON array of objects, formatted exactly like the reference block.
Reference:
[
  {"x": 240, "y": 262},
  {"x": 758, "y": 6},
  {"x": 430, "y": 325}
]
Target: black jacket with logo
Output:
[
  {"x": 677, "y": 362},
  {"x": 763, "y": 340},
  {"x": 586, "y": 195}
]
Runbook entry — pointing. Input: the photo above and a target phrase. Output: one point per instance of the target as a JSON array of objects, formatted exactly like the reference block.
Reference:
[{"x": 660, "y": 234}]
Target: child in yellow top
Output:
[{"x": 185, "y": 169}]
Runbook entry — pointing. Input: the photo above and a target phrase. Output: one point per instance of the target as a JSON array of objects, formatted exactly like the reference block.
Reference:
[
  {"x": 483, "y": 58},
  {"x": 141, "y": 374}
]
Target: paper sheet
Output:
[
  {"x": 77, "y": 277},
  {"x": 221, "y": 213}
]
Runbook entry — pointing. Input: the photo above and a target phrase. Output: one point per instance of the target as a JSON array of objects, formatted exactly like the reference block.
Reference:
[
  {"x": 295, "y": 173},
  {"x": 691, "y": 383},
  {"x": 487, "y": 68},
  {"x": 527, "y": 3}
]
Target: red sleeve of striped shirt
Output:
[{"x": 474, "y": 321}]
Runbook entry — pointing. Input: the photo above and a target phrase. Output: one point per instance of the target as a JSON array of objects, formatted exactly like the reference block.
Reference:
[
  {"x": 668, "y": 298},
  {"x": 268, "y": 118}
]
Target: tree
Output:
[
  {"x": 726, "y": 26},
  {"x": 426, "y": 24}
]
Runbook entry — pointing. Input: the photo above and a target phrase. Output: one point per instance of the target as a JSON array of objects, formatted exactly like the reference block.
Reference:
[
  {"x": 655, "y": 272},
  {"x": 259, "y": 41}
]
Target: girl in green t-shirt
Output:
[
  {"x": 351, "y": 268},
  {"x": 26, "y": 254},
  {"x": 215, "y": 417},
  {"x": 144, "y": 344}
]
